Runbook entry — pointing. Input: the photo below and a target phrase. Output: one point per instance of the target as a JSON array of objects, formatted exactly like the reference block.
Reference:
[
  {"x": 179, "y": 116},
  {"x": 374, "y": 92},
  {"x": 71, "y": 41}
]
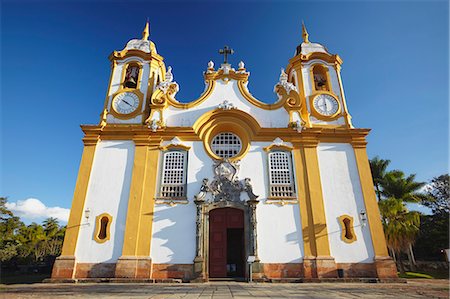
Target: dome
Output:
[
  {"x": 306, "y": 48},
  {"x": 143, "y": 45}
]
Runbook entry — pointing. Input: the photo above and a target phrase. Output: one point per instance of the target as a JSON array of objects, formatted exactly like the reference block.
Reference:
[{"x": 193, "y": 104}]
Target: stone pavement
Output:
[{"x": 413, "y": 289}]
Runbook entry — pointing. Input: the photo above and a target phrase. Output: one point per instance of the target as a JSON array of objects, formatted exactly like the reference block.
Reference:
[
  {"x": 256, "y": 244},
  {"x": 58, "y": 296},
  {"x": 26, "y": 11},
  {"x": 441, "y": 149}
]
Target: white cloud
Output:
[{"x": 35, "y": 210}]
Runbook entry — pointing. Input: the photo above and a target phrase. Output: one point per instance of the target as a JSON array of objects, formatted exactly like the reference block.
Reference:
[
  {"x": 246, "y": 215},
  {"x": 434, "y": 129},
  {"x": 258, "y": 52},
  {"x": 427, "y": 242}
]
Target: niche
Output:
[
  {"x": 348, "y": 234},
  {"x": 102, "y": 228},
  {"x": 320, "y": 75}
]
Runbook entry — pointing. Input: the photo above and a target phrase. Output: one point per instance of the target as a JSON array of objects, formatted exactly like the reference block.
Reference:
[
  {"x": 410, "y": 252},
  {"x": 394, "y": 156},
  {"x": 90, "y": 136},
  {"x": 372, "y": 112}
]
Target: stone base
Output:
[
  {"x": 100, "y": 270},
  {"x": 385, "y": 267},
  {"x": 326, "y": 267},
  {"x": 352, "y": 270},
  {"x": 319, "y": 267},
  {"x": 177, "y": 271},
  {"x": 198, "y": 269},
  {"x": 278, "y": 271},
  {"x": 133, "y": 267},
  {"x": 64, "y": 267},
  {"x": 309, "y": 267}
]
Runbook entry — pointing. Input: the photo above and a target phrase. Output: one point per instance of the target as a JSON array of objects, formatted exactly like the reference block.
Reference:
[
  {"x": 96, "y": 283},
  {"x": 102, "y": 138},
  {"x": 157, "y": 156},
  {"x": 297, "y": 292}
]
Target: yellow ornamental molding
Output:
[
  {"x": 102, "y": 228},
  {"x": 120, "y": 55},
  {"x": 348, "y": 233}
]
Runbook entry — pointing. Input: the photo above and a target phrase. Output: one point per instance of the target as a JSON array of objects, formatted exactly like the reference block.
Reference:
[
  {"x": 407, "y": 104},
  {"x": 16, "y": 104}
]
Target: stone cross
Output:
[{"x": 225, "y": 51}]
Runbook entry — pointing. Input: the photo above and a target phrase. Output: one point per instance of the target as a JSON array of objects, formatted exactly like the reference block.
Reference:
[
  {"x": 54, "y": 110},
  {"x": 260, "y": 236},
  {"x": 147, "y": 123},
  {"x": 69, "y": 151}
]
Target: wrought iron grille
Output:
[
  {"x": 173, "y": 183},
  {"x": 280, "y": 173},
  {"x": 226, "y": 145}
]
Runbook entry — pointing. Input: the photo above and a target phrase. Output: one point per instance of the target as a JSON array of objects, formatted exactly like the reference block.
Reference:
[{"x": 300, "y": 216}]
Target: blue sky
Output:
[{"x": 55, "y": 71}]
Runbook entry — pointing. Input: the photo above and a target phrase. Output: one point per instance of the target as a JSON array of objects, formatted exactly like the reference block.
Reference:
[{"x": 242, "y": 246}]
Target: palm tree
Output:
[
  {"x": 400, "y": 237},
  {"x": 395, "y": 184},
  {"x": 51, "y": 227},
  {"x": 378, "y": 168},
  {"x": 400, "y": 226}
]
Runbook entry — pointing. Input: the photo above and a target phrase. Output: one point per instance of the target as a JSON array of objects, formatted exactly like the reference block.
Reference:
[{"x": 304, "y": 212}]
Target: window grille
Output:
[
  {"x": 280, "y": 175},
  {"x": 226, "y": 145},
  {"x": 173, "y": 183}
]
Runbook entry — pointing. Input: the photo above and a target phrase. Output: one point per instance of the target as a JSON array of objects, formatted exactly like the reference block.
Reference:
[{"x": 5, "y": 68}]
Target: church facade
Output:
[{"x": 198, "y": 190}]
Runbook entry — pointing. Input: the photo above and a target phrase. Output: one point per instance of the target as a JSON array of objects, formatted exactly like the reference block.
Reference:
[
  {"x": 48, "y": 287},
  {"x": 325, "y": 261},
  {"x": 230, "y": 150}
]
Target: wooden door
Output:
[{"x": 220, "y": 220}]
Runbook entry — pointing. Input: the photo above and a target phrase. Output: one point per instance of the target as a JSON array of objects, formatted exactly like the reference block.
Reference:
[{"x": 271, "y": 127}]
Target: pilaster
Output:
[
  {"x": 135, "y": 261},
  {"x": 64, "y": 266},
  {"x": 317, "y": 262},
  {"x": 385, "y": 267}
]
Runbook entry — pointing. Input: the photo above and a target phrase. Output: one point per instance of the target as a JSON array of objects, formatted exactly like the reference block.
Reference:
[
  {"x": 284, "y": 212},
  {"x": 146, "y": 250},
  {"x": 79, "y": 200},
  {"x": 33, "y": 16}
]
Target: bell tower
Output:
[
  {"x": 317, "y": 73},
  {"x": 135, "y": 72}
]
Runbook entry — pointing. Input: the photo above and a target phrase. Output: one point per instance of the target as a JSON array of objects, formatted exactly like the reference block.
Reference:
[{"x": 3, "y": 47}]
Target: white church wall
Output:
[
  {"x": 108, "y": 192},
  {"x": 342, "y": 194},
  {"x": 279, "y": 227},
  {"x": 173, "y": 236},
  {"x": 226, "y": 91}
]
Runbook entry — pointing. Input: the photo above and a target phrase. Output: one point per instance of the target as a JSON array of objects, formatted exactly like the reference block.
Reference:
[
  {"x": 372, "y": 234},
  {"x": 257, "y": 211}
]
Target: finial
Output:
[
  {"x": 305, "y": 34},
  {"x": 146, "y": 32}
]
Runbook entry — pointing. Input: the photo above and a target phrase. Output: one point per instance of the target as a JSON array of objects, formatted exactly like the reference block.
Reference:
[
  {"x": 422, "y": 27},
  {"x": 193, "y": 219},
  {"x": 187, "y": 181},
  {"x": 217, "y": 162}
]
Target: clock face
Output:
[
  {"x": 326, "y": 105},
  {"x": 126, "y": 103}
]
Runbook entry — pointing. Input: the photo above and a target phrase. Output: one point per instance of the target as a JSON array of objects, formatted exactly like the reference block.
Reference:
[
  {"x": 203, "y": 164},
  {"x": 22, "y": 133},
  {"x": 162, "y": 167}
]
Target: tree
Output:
[
  {"x": 439, "y": 191},
  {"x": 400, "y": 226},
  {"x": 396, "y": 185},
  {"x": 378, "y": 168}
]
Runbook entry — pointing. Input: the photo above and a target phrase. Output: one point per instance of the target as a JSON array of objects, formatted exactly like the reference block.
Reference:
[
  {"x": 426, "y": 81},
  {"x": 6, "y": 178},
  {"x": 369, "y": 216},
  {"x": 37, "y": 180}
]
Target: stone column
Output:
[{"x": 198, "y": 261}]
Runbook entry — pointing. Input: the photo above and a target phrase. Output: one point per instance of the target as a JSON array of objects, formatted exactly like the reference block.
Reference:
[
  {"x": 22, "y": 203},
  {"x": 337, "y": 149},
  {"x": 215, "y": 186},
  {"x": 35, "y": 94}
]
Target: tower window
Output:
[
  {"x": 173, "y": 181},
  {"x": 226, "y": 145},
  {"x": 348, "y": 234},
  {"x": 320, "y": 78},
  {"x": 102, "y": 227},
  {"x": 132, "y": 76},
  {"x": 281, "y": 179}
]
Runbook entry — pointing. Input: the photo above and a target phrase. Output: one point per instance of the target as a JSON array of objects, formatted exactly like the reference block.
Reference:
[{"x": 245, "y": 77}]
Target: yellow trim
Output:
[
  {"x": 315, "y": 209},
  {"x": 327, "y": 74},
  {"x": 348, "y": 118},
  {"x": 161, "y": 100},
  {"x": 345, "y": 227},
  {"x": 79, "y": 197},
  {"x": 98, "y": 225},
  {"x": 138, "y": 230},
  {"x": 124, "y": 73},
  {"x": 316, "y": 114},
  {"x": 309, "y": 242},
  {"x": 235, "y": 121},
  {"x": 370, "y": 201},
  {"x": 281, "y": 147},
  {"x": 175, "y": 147},
  {"x": 136, "y": 112}
]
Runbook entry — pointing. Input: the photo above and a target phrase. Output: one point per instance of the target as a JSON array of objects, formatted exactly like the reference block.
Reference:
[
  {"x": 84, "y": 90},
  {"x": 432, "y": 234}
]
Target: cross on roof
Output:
[{"x": 225, "y": 51}]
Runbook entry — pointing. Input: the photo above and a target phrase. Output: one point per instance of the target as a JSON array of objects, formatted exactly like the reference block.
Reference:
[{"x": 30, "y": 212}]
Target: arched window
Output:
[
  {"x": 102, "y": 227},
  {"x": 132, "y": 75},
  {"x": 281, "y": 179},
  {"x": 321, "y": 78},
  {"x": 173, "y": 178},
  {"x": 348, "y": 234}
]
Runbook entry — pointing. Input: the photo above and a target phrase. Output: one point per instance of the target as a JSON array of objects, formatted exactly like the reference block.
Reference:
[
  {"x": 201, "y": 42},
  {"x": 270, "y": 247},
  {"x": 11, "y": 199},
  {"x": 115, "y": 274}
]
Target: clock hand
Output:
[{"x": 126, "y": 103}]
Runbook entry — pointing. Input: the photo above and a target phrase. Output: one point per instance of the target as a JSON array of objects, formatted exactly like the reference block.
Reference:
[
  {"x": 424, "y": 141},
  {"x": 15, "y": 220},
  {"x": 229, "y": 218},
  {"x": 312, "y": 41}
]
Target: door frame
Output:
[{"x": 205, "y": 243}]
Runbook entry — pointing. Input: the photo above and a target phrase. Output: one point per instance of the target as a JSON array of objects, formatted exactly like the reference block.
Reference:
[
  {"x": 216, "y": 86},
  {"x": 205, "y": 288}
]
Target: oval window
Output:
[{"x": 226, "y": 145}]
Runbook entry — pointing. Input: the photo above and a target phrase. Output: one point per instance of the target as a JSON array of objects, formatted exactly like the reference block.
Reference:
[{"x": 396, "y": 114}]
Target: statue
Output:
[
  {"x": 203, "y": 190},
  {"x": 249, "y": 189}
]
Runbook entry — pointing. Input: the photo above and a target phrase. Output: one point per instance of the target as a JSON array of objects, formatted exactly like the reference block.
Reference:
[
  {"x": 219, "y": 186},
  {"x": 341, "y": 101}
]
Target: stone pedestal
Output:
[
  {"x": 309, "y": 267},
  {"x": 64, "y": 267},
  {"x": 134, "y": 267},
  {"x": 385, "y": 267},
  {"x": 198, "y": 268},
  {"x": 326, "y": 267}
]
